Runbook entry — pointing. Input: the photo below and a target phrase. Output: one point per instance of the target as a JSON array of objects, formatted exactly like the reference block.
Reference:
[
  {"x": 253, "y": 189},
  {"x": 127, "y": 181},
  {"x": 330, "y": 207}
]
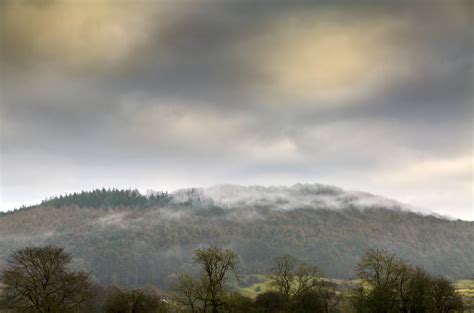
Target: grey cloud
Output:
[{"x": 193, "y": 90}]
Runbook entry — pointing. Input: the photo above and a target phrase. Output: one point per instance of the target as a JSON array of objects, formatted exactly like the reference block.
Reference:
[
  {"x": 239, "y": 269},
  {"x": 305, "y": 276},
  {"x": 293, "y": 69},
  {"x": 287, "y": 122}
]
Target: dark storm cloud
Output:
[{"x": 249, "y": 92}]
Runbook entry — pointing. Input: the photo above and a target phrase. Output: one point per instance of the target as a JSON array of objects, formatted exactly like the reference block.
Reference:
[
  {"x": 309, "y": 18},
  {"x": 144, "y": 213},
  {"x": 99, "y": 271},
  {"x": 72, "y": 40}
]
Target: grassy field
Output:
[
  {"x": 255, "y": 288},
  {"x": 256, "y": 284},
  {"x": 261, "y": 284},
  {"x": 466, "y": 289}
]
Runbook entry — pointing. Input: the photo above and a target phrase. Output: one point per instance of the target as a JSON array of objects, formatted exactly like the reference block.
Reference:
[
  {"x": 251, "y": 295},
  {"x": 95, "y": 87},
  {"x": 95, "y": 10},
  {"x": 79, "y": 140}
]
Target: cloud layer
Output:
[{"x": 369, "y": 96}]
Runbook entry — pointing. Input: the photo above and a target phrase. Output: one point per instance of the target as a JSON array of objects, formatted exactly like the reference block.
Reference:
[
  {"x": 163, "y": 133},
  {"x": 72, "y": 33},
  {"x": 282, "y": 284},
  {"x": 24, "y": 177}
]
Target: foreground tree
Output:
[
  {"x": 381, "y": 271},
  {"x": 326, "y": 291},
  {"x": 238, "y": 303},
  {"x": 207, "y": 293},
  {"x": 188, "y": 292},
  {"x": 37, "y": 279},
  {"x": 302, "y": 287},
  {"x": 134, "y": 301},
  {"x": 216, "y": 264},
  {"x": 271, "y": 302},
  {"x": 444, "y": 296},
  {"x": 392, "y": 285},
  {"x": 292, "y": 277}
]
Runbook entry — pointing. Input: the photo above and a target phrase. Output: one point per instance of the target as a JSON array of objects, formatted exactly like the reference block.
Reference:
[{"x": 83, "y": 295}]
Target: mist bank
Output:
[
  {"x": 250, "y": 198},
  {"x": 284, "y": 198},
  {"x": 124, "y": 237}
]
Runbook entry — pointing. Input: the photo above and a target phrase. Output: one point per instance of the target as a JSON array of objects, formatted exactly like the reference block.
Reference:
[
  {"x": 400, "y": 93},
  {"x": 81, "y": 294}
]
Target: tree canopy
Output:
[{"x": 37, "y": 279}]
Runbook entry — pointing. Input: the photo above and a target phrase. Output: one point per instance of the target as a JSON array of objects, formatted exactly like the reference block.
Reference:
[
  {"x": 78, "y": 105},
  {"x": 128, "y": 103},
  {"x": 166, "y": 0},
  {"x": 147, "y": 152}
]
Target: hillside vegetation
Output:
[{"x": 130, "y": 239}]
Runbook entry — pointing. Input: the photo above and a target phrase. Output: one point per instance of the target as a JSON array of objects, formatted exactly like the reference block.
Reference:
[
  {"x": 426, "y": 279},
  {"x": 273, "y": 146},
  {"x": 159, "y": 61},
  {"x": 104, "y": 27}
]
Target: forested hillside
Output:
[{"x": 131, "y": 239}]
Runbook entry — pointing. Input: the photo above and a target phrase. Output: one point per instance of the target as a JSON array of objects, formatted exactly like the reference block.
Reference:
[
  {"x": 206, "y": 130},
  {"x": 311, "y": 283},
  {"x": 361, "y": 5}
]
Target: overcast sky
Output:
[{"x": 375, "y": 96}]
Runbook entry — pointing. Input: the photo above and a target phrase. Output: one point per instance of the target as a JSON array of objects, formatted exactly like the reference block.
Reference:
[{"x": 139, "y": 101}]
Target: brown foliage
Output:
[{"x": 37, "y": 280}]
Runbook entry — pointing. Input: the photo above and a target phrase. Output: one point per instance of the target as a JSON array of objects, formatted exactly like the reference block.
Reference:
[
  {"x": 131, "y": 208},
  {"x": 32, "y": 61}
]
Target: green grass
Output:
[
  {"x": 466, "y": 290},
  {"x": 464, "y": 287},
  {"x": 264, "y": 285},
  {"x": 254, "y": 290}
]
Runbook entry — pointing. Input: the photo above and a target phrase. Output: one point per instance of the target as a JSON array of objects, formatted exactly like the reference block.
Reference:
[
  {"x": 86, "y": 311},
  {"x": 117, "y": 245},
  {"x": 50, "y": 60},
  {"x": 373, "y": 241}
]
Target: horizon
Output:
[{"x": 366, "y": 96}]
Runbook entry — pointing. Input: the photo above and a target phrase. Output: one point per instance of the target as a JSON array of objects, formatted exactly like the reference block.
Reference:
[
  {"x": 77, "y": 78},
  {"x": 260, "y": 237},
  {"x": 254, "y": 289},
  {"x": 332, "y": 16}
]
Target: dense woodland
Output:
[
  {"x": 109, "y": 198},
  {"x": 125, "y": 238}
]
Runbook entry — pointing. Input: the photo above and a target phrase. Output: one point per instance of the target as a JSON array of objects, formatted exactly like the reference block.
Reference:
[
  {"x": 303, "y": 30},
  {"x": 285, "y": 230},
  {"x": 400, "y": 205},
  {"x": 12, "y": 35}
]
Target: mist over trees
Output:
[{"x": 126, "y": 240}]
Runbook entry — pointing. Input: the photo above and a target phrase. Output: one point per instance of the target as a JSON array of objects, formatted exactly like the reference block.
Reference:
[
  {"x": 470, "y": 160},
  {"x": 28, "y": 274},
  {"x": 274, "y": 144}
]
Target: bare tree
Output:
[
  {"x": 393, "y": 285},
  {"x": 328, "y": 295},
  {"x": 292, "y": 277},
  {"x": 207, "y": 293},
  {"x": 216, "y": 264},
  {"x": 37, "y": 279},
  {"x": 307, "y": 277},
  {"x": 379, "y": 268},
  {"x": 188, "y": 292},
  {"x": 134, "y": 301},
  {"x": 444, "y": 297},
  {"x": 283, "y": 274}
]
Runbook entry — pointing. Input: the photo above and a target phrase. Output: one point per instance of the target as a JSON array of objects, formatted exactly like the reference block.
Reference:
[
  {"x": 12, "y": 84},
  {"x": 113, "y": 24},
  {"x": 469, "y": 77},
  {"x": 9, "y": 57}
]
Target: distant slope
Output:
[{"x": 127, "y": 238}]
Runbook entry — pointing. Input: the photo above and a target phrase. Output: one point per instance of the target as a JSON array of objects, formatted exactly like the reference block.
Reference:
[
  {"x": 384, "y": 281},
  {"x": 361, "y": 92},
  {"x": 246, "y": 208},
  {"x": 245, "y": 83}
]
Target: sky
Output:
[{"x": 366, "y": 95}]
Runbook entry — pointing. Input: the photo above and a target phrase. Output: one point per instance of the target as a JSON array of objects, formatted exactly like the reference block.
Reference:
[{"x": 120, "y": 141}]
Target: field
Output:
[
  {"x": 253, "y": 285},
  {"x": 466, "y": 289}
]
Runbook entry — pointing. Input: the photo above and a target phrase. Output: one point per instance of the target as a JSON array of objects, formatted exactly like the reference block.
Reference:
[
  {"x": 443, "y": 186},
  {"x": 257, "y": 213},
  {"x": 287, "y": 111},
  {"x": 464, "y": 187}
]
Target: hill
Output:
[{"x": 124, "y": 237}]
